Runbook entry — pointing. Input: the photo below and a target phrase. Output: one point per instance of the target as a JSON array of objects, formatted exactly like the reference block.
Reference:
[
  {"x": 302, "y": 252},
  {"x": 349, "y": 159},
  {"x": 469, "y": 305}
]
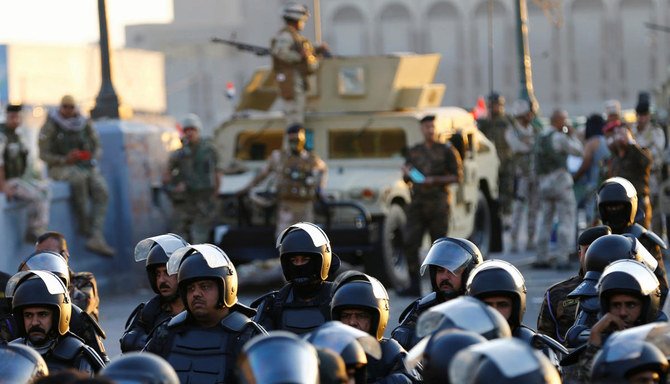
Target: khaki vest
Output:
[
  {"x": 296, "y": 178},
  {"x": 285, "y": 71}
]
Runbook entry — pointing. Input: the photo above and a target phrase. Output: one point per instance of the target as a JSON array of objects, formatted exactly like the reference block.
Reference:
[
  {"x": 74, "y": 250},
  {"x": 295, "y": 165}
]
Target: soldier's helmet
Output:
[
  {"x": 633, "y": 278},
  {"x": 140, "y": 367},
  {"x": 441, "y": 349},
  {"x": 351, "y": 344},
  {"x": 305, "y": 239},
  {"x": 279, "y": 356},
  {"x": 201, "y": 262},
  {"x": 295, "y": 12},
  {"x": 40, "y": 289},
  {"x": 503, "y": 361},
  {"x": 47, "y": 261},
  {"x": 21, "y": 364},
  {"x": 454, "y": 254},
  {"x": 156, "y": 251},
  {"x": 465, "y": 313},
  {"x": 495, "y": 97},
  {"x": 623, "y": 356},
  {"x": 366, "y": 293},
  {"x": 605, "y": 250},
  {"x": 499, "y": 278},
  {"x": 617, "y": 203}
]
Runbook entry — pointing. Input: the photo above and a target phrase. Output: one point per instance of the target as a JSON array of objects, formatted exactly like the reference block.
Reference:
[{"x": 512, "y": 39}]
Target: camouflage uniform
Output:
[
  {"x": 293, "y": 59},
  {"x": 653, "y": 139},
  {"x": 429, "y": 209},
  {"x": 84, "y": 293},
  {"x": 557, "y": 313},
  {"x": 495, "y": 129},
  {"x": 196, "y": 166},
  {"x": 556, "y": 194},
  {"x": 635, "y": 166},
  {"x": 14, "y": 160},
  {"x": 86, "y": 182}
]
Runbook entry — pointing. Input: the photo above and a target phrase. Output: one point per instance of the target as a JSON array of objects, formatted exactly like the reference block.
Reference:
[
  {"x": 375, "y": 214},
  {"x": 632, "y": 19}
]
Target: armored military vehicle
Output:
[{"x": 362, "y": 113}]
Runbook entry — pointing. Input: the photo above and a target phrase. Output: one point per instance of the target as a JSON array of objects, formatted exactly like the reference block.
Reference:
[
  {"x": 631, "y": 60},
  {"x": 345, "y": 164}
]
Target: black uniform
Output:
[{"x": 144, "y": 318}]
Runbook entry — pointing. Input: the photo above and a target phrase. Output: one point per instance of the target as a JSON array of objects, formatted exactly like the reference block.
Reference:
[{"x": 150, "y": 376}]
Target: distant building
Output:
[{"x": 601, "y": 51}]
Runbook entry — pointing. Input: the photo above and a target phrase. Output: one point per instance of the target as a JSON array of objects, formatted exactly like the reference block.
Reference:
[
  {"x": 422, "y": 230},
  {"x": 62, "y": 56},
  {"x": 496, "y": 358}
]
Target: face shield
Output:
[
  {"x": 52, "y": 282},
  {"x": 169, "y": 242},
  {"x": 645, "y": 278},
  {"x": 337, "y": 336},
  {"x": 448, "y": 255},
  {"x": 48, "y": 261},
  {"x": 213, "y": 255},
  {"x": 465, "y": 313}
]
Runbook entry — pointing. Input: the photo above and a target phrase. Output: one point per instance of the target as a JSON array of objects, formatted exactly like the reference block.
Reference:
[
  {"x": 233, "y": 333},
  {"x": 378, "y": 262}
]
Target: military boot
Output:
[{"x": 97, "y": 244}]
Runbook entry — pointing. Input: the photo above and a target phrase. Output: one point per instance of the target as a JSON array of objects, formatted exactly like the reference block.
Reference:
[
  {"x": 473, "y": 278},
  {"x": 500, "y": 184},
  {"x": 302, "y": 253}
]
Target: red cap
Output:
[{"x": 611, "y": 125}]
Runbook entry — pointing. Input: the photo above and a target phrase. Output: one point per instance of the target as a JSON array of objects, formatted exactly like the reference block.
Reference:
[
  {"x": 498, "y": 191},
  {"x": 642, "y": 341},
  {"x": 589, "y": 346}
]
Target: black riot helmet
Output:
[
  {"x": 21, "y": 364},
  {"x": 331, "y": 367},
  {"x": 465, "y": 313},
  {"x": 156, "y": 251},
  {"x": 503, "y": 361},
  {"x": 366, "y": 293},
  {"x": 617, "y": 203},
  {"x": 202, "y": 262},
  {"x": 351, "y": 344},
  {"x": 47, "y": 261},
  {"x": 499, "y": 278},
  {"x": 140, "y": 368},
  {"x": 440, "y": 351},
  {"x": 278, "y": 357},
  {"x": 633, "y": 278},
  {"x": 622, "y": 356},
  {"x": 605, "y": 250},
  {"x": 40, "y": 289},
  {"x": 454, "y": 254},
  {"x": 305, "y": 239}
]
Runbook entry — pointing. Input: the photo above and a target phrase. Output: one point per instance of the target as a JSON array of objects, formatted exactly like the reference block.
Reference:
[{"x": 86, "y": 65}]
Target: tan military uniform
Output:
[
  {"x": 557, "y": 197},
  {"x": 18, "y": 176},
  {"x": 86, "y": 183},
  {"x": 495, "y": 129},
  {"x": 298, "y": 179},
  {"x": 293, "y": 59},
  {"x": 195, "y": 209},
  {"x": 653, "y": 139},
  {"x": 635, "y": 166}
]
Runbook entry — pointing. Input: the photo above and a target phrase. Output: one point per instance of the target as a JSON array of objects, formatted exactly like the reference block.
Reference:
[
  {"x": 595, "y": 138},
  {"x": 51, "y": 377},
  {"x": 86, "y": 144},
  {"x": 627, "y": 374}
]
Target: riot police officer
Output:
[
  {"x": 136, "y": 367},
  {"x": 618, "y": 206},
  {"x": 155, "y": 251},
  {"x": 214, "y": 327},
  {"x": 504, "y": 361},
  {"x": 304, "y": 302},
  {"x": 82, "y": 324},
  {"x": 362, "y": 302},
  {"x": 42, "y": 307},
  {"x": 21, "y": 364},
  {"x": 441, "y": 349},
  {"x": 642, "y": 361},
  {"x": 449, "y": 262}
]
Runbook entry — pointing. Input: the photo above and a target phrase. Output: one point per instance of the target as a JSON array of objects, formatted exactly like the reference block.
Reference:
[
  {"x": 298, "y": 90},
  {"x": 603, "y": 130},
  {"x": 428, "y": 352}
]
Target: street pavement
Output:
[{"x": 114, "y": 310}]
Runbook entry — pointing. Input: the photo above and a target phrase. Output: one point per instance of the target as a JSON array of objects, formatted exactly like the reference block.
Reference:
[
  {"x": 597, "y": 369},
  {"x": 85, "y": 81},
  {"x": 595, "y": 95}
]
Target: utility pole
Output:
[
  {"x": 317, "y": 22},
  {"x": 490, "y": 44},
  {"x": 107, "y": 102},
  {"x": 523, "y": 51}
]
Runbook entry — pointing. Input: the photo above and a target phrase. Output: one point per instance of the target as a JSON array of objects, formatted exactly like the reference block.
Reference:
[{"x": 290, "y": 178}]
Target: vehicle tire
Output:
[
  {"x": 391, "y": 267},
  {"x": 483, "y": 227}
]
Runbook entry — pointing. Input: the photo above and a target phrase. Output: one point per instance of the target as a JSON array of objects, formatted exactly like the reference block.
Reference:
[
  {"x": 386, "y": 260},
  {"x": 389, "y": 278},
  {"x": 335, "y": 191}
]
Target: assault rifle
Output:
[{"x": 255, "y": 49}]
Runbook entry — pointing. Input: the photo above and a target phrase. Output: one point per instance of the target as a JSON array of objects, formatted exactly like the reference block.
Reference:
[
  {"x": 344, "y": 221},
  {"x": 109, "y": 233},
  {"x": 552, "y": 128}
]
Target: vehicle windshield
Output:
[
  {"x": 257, "y": 145},
  {"x": 365, "y": 144}
]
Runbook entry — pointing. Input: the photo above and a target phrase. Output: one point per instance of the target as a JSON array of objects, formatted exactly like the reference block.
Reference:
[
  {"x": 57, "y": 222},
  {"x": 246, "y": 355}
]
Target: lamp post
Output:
[{"x": 107, "y": 102}]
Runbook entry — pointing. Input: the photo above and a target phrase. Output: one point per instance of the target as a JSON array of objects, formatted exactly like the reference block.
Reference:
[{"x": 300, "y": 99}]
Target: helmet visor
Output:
[
  {"x": 465, "y": 313},
  {"x": 53, "y": 283},
  {"x": 512, "y": 357},
  {"x": 212, "y": 254},
  {"x": 498, "y": 264},
  {"x": 644, "y": 277},
  {"x": 448, "y": 255},
  {"x": 643, "y": 255},
  {"x": 317, "y": 234},
  {"x": 337, "y": 336},
  {"x": 281, "y": 360},
  {"x": 52, "y": 262},
  {"x": 169, "y": 242}
]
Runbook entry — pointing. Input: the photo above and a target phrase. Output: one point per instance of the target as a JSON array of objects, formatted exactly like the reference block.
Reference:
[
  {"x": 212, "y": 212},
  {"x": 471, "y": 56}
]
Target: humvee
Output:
[{"x": 362, "y": 113}]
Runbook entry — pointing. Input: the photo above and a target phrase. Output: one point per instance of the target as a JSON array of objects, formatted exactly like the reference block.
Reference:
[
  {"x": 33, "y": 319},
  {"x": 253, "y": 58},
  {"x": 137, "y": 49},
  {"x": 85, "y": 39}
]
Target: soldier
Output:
[
  {"x": 629, "y": 295},
  {"x": 193, "y": 177},
  {"x": 203, "y": 342},
  {"x": 650, "y": 136},
  {"x": 17, "y": 180},
  {"x": 41, "y": 305},
  {"x": 293, "y": 60},
  {"x": 82, "y": 324},
  {"x": 83, "y": 287},
  {"x": 521, "y": 139},
  {"x": 301, "y": 176},
  {"x": 449, "y": 262},
  {"x": 494, "y": 127},
  {"x": 70, "y": 147},
  {"x": 631, "y": 162},
  {"x": 618, "y": 206},
  {"x": 166, "y": 303},
  {"x": 558, "y": 312},
  {"x": 429, "y": 168},
  {"x": 556, "y": 194},
  {"x": 361, "y": 301},
  {"x": 304, "y": 302}
]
